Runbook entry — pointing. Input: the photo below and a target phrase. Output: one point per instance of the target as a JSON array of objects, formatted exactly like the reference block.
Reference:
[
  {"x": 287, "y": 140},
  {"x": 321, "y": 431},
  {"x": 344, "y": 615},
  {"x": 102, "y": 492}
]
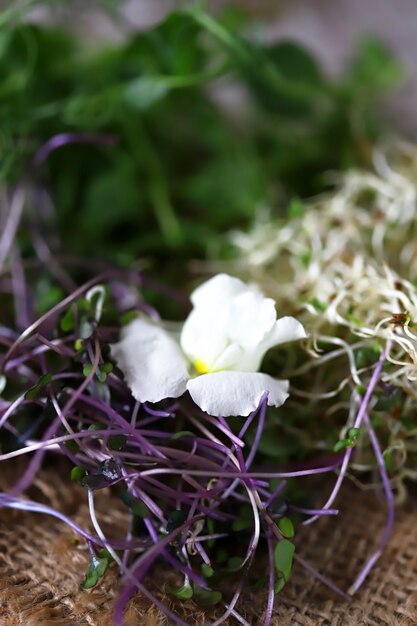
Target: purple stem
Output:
[
  {"x": 275, "y": 494},
  {"x": 301, "y": 509},
  {"x": 322, "y": 578},
  {"x": 64, "y": 139},
  {"x": 359, "y": 418},
  {"x": 35, "y": 507},
  {"x": 390, "y": 504},
  {"x": 137, "y": 574},
  {"x": 271, "y": 579},
  {"x": 259, "y": 430},
  {"x": 127, "y": 592}
]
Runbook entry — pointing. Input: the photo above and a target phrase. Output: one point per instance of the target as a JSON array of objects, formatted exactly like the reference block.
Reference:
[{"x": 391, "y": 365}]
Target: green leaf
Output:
[
  {"x": 234, "y": 564},
  {"x": 296, "y": 209},
  {"x": 283, "y": 556},
  {"x": 389, "y": 401},
  {"x": 33, "y": 391},
  {"x": 280, "y": 584},
  {"x": 387, "y": 455},
  {"x": 77, "y": 474},
  {"x": 375, "y": 67},
  {"x": 137, "y": 507},
  {"x": 3, "y": 382},
  {"x": 245, "y": 519},
  {"x": 286, "y": 527},
  {"x": 175, "y": 519},
  {"x": 206, "y": 598},
  {"x": 87, "y": 327},
  {"x": 144, "y": 92},
  {"x": 320, "y": 306},
  {"x": 207, "y": 570},
  {"x": 260, "y": 583},
  {"x": 68, "y": 320},
  {"x": 95, "y": 571},
  {"x": 128, "y": 317},
  {"x": 72, "y": 446},
  {"x": 342, "y": 444},
  {"x": 353, "y": 433},
  {"x": 183, "y": 593},
  {"x": 182, "y": 433},
  {"x": 87, "y": 369},
  {"x": 117, "y": 442},
  {"x": 365, "y": 357},
  {"x": 349, "y": 442}
]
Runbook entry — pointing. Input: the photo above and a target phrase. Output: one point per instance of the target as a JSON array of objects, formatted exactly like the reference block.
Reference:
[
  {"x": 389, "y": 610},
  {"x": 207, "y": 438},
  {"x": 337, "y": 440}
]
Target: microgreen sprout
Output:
[
  {"x": 190, "y": 484},
  {"x": 348, "y": 264},
  {"x": 193, "y": 484}
]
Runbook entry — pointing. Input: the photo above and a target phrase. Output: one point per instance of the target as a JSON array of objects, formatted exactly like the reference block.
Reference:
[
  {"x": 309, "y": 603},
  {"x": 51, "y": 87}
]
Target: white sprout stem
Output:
[
  {"x": 100, "y": 291},
  {"x": 9, "y": 232},
  {"x": 100, "y": 532}
]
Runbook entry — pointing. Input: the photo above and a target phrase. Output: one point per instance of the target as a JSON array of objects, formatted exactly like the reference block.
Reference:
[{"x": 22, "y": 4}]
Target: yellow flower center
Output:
[{"x": 201, "y": 367}]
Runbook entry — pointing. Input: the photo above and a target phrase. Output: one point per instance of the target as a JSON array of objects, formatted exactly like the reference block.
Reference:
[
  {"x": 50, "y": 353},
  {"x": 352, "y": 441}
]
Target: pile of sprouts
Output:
[
  {"x": 347, "y": 261},
  {"x": 198, "y": 493}
]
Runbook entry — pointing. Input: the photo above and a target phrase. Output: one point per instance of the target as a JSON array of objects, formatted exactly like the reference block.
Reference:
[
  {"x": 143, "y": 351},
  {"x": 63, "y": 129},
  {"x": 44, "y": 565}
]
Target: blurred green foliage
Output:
[{"x": 183, "y": 170}]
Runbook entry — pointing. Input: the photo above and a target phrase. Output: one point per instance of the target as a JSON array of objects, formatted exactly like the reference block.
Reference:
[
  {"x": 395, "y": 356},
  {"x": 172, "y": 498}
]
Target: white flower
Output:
[{"x": 218, "y": 355}]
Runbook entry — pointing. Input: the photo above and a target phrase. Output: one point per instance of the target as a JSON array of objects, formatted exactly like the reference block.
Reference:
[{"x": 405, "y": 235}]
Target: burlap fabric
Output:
[{"x": 42, "y": 565}]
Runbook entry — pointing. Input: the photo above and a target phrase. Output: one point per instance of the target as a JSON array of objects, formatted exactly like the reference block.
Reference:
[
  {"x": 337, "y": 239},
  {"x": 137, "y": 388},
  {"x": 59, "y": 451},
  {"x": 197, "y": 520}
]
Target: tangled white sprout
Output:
[{"x": 349, "y": 262}]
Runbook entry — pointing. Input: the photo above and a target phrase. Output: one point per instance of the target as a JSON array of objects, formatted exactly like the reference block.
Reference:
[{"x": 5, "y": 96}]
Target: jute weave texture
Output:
[{"x": 42, "y": 564}]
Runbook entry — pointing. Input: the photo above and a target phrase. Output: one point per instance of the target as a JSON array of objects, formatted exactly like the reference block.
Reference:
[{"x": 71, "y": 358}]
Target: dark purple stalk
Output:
[
  {"x": 35, "y": 507},
  {"x": 65, "y": 139},
  {"x": 136, "y": 574},
  {"x": 300, "y": 509},
  {"x": 274, "y": 495},
  {"x": 390, "y": 504},
  {"x": 328, "y": 583},
  {"x": 56, "y": 309},
  {"x": 359, "y": 418},
  {"x": 271, "y": 579}
]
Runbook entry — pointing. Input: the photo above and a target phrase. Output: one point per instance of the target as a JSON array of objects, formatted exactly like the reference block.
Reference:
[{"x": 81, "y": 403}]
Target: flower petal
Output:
[
  {"x": 218, "y": 289},
  {"x": 235, "y": 393},
  {"x": 152, "y": 362},
  {"x": 252, "y": 316},
  {"x": 285, "y": 329},
  {"x": 228, "y": 318},
  {"x": 204, "y": 335}
]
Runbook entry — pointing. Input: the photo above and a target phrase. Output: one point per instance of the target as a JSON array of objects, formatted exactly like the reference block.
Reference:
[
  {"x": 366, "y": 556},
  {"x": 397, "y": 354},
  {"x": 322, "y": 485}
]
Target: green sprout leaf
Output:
[
  {"x": 144, "y": 92},
  {"x": 138, "y": 508},
  {"x": 286, "y": 527},
  {"x": 205, "y": 597},
  {"x": 234, "y": 564},
  {"x": 95, "y": 571},
  {"x": 283, "y": 556},
  {"x": 389, "y": 401},
  {"x": 77, "y": 474},
  {"x": 68, "y": 320},
  {"x": 33, "y": 391},
  {"x": 349, "y": 442},
  {"x": 87, "y": 369},
  {"x": 182, "y": 593},
  {"x": 296, "y": 208},
  {"x": 117, "y": 442},
  {"x": 207, "y": 570},
  {"x": 87, "y": 327}
]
